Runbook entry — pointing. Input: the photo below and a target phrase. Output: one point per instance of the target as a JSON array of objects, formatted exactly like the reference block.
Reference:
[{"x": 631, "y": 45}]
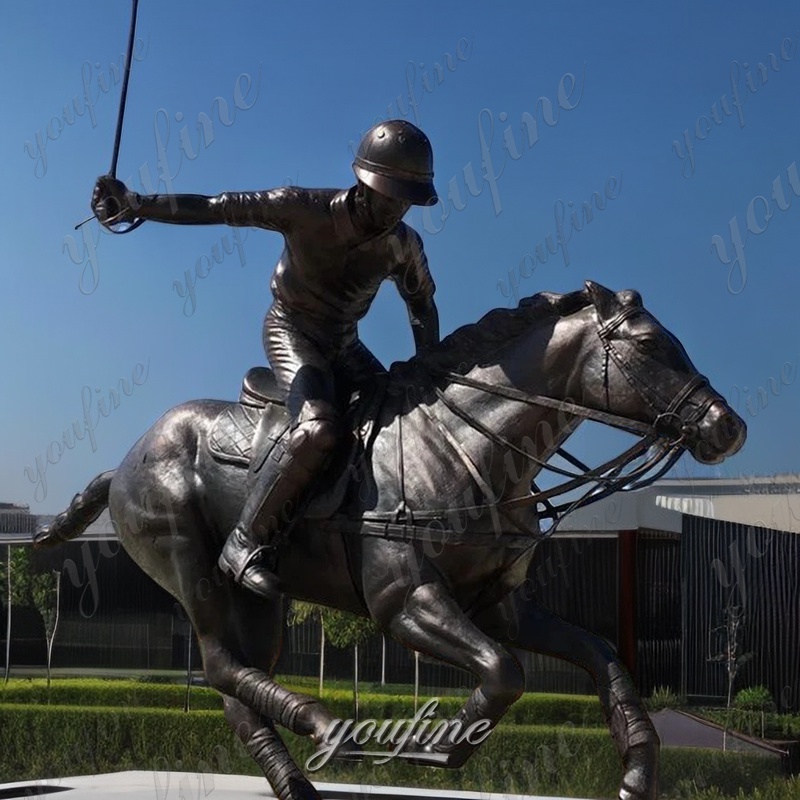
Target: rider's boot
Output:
[{"x": 274, "y": 499}]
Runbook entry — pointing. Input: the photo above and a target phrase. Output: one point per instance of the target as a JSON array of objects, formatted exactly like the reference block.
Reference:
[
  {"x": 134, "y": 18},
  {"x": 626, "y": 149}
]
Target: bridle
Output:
[{"x": 604, "y": 480}]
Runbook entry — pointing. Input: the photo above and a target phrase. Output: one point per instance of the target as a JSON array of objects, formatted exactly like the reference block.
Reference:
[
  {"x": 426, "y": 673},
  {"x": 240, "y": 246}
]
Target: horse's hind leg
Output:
[
  {"x": 239, "y": 639},
  {"x": 266, "y": 748},
  {"x": 239, "y": 636},
  {"x": 257, "y": 626},
  {"x": 521, "y": 622},
  {"x": 239, "y": 652}
]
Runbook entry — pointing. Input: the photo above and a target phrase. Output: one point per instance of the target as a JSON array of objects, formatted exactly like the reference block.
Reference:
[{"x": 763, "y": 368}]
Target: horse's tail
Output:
[{"x": 84, "y": 509}]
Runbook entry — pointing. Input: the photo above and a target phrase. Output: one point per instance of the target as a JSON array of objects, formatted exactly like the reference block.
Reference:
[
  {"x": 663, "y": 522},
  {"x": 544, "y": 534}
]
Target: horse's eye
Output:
[{"x": 647, "y": 344}]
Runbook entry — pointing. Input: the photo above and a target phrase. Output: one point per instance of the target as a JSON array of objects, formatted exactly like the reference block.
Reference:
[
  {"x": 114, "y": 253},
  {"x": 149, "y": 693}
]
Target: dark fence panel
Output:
[
  {"x": 658, "y": 612},
  {"x": 729, "y": 570}
]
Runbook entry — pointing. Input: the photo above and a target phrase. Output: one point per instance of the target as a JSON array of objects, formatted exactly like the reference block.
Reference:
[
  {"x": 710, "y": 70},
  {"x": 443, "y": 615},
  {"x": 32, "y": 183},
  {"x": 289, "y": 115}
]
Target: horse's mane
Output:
[{"x": 472, "y": 344}]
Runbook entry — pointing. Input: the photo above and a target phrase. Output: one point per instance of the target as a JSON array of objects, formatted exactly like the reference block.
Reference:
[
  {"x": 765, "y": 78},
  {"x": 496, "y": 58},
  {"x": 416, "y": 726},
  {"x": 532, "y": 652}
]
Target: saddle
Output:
[{"x": 250, "y": 429}]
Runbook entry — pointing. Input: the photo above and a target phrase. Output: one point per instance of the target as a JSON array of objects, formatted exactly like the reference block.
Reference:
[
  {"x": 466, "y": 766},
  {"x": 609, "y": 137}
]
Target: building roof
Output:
[{"x": 759, "y": 501}]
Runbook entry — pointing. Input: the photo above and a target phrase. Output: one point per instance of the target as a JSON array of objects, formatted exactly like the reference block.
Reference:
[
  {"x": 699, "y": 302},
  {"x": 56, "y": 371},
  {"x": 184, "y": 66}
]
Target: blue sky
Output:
[{"x": 298, "y": 84}]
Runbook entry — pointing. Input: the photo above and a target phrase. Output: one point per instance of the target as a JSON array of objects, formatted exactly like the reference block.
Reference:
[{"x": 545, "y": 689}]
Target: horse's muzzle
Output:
[{"x": 719, "y": 434}]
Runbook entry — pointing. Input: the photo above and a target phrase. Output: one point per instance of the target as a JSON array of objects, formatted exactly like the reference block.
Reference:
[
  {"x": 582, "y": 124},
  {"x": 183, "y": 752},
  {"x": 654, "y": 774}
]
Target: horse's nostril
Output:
[
  {"x": 690, "y": 430},
  {"x": 729, "y": 432}
]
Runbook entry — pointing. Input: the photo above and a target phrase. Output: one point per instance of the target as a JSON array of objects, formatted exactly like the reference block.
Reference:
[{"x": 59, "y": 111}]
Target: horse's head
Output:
[{"x": 631, "y": 366}]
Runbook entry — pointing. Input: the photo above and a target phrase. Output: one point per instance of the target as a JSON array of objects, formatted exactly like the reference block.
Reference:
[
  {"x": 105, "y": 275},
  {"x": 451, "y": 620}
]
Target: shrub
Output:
[
  {"x": 776, "y": 726},
  {"x": 116, "y": 693},
  {"x": 755, "y": 698},
  {"x": 774, "y": 789},
  {"x": 664, "y": 697},
  {"x": 688, "y": 770}
]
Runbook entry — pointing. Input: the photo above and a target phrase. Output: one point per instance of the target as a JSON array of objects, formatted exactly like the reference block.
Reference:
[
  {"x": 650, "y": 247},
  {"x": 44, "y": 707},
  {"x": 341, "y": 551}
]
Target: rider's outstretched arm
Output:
[
  {"x": 112, "y": 201},
  {"x": 266, "y": 209}
]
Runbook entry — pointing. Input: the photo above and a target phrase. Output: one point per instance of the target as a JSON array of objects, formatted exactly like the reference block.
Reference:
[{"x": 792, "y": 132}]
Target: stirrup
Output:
[{"x": 255, "y": 554}]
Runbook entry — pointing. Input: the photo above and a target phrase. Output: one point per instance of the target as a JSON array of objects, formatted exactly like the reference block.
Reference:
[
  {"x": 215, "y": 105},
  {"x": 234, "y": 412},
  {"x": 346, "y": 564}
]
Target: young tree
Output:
[
  {"x": 39, "y": 590},
  {"x": 300, "y": 613},
  {"x": 8, "y": 614},
  {"x": 341, "y": 628},
  {"x": 46, "y": 596},
  {"x": 18, "y": 591},
  {"x": 730, "y": 654},
  {"x": 349, "y": 630}
]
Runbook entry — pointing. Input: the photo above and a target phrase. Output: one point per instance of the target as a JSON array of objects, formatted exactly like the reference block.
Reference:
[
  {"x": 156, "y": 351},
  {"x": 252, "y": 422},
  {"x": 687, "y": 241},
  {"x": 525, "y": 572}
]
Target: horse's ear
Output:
[
  {"x": 630, "y": 297},
  {"x": 604, "y": 300}
]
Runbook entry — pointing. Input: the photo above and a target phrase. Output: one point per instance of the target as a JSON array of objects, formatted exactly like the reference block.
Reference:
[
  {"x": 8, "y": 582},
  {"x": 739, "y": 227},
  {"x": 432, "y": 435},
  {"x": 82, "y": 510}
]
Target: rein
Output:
[
  {"x": 606, "y": 479},
  {"x": 608, "y": 476}
]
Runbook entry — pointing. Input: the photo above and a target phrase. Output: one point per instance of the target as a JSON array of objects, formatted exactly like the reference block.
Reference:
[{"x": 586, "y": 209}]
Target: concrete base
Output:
[{"x": 141, "y": 785}]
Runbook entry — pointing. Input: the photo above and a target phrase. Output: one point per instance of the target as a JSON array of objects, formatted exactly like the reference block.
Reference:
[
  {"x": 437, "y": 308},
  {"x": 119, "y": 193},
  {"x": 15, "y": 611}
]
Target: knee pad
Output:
[{"x": 315, "y": 437}]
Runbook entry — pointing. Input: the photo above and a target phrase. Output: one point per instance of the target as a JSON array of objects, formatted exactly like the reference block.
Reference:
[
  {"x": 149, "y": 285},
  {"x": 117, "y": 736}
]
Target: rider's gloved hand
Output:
[{"x": 113, "y": 202}]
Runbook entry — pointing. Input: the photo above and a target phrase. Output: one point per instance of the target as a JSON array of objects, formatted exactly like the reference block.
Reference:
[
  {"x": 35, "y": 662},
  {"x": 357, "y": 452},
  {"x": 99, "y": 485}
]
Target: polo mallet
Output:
[{"x": 118, "y": 137}]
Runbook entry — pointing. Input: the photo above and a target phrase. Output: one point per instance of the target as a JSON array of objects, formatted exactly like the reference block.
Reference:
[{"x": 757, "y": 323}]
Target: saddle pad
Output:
[{"x": 231, "y": 437}]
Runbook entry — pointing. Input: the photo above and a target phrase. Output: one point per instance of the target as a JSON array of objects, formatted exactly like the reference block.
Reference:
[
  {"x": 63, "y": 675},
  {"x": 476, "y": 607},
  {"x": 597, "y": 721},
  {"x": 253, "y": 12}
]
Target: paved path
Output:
[{"x": 676, "y": 729}]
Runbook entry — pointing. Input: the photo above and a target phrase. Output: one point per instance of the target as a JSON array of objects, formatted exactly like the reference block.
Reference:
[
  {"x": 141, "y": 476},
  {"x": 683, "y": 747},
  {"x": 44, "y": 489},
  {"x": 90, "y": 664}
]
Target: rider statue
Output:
[{"x": 340, "y": 245}]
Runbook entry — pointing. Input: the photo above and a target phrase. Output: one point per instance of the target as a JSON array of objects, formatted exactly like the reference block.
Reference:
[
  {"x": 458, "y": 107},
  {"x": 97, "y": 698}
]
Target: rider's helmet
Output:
[{"x": 395, "y": 159}]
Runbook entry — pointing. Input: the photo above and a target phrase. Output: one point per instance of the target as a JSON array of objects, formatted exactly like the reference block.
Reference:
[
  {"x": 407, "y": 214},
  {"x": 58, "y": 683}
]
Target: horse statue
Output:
[{"x": 434, "y": 522}]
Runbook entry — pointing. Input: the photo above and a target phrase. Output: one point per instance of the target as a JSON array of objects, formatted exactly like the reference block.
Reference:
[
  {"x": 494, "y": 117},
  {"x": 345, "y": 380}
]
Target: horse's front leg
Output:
[
  {"x": 523, "y": 623},
  {"x": 419, "y": 611}
]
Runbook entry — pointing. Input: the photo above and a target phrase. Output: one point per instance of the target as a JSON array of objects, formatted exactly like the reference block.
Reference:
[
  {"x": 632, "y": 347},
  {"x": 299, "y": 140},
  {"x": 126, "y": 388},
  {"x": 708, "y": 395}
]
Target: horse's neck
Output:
[
  {"x": 532, "y": 429},
  {"x": 538, "y": 363}
]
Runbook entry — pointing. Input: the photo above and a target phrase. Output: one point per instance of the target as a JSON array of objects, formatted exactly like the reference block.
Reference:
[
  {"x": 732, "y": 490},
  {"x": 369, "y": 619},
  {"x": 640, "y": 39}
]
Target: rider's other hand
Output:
[{"x": 112, "y": 202}]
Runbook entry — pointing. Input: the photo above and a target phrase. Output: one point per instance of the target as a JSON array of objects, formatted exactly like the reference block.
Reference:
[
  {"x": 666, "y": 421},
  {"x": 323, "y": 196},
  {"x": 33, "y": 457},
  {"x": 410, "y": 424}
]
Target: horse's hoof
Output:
[
  {"x": 641, "y": 773},
  {"x": 44, "y": 537},
  {"x": 347, "y": 750},
  {"x": 430, "y": 755}
]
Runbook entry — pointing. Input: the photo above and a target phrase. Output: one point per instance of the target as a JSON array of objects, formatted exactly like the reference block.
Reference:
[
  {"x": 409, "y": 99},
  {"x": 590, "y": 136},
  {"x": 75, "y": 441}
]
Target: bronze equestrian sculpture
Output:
[
  {"x": 339, "y": 247},
  {"x": 433, "y": 527}
]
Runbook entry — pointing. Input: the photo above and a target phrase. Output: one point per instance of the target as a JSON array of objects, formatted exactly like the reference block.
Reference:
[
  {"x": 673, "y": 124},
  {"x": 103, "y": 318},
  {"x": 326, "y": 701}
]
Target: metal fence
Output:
[{"x": 114, "y": 616}]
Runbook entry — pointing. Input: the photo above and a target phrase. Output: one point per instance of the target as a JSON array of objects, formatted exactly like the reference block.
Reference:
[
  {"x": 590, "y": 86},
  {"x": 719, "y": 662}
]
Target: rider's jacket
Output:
[{"x": 327, "y": 275}]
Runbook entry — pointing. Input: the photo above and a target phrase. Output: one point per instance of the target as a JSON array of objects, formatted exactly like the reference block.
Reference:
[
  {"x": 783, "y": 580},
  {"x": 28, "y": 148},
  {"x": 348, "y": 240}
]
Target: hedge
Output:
[
  {"x": 50, "y": 741},
  {"x": 530, "y": 709},
  {"x": 116, "y": 693}
]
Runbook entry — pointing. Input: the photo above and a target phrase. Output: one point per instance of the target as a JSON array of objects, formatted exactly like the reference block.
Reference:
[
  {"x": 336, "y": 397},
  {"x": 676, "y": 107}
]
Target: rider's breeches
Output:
[{"x": 312, "y": 366}]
